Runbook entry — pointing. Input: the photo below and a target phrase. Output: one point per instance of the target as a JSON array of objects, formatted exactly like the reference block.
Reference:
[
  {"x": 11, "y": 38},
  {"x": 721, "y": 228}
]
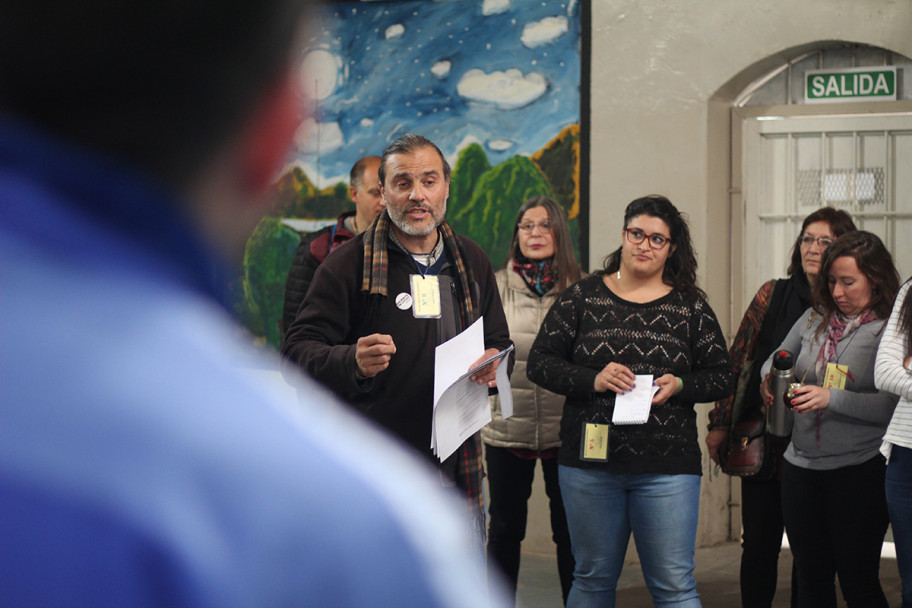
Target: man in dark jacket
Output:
[
  {"x": 362, "y": 331},
  {"x": 364, "y": 190}
]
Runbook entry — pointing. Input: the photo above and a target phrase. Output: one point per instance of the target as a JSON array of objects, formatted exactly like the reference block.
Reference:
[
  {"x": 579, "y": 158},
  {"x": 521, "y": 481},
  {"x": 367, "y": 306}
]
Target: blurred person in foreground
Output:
[
  {"x": 833, "y": 502},
  {"x": 772, "y": 312},
  {"x": 541, "y": 265},
  {"x": 364, "y": 191},
  {"x": 139, "y": 465}
]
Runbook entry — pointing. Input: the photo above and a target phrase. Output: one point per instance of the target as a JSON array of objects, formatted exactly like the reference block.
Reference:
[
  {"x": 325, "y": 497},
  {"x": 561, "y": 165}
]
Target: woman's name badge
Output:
[
  {"x": 594, "y": 445},
  {"x": 836, "y": 375},
  {"x": 425, "y": 296}
]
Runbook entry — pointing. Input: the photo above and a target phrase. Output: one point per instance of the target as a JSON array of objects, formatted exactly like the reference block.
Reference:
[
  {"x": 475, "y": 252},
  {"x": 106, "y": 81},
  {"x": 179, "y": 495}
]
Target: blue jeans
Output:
[
  {"x": 604, "y": 508},
  {"x": 899, "y": 502}
]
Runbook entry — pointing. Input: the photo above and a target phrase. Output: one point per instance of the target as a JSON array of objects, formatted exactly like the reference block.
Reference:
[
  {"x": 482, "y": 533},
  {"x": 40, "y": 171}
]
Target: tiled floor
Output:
[{"x": 717, "y": 580}]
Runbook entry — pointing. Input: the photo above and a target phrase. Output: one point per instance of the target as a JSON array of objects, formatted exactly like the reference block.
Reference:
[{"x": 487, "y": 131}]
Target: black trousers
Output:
[
  {"x": 836, "y": 521},
  {"x": 510, "y": 484},
  {"x": 761, "y": 542}
]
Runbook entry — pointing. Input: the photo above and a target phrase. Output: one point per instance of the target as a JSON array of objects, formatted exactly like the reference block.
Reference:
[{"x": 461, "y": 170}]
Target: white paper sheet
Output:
[
  {"x": 633, "y": 407},
  {"x": 504, "y": 390},
  {"x": 461, "y": 406}
]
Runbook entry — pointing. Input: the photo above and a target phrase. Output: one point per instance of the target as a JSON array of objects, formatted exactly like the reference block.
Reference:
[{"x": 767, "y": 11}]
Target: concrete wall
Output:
[{"x": 663, "y": 75}]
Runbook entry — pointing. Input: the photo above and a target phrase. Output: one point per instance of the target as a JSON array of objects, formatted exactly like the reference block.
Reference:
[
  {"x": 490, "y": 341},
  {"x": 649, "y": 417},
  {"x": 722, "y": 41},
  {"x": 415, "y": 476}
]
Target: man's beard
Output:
[{"x": 400, "y": 221}]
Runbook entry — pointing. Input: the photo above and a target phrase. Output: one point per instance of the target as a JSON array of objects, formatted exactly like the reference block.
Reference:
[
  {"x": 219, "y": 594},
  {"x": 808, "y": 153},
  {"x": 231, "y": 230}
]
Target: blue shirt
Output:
[{"x": 139, "y": 466}]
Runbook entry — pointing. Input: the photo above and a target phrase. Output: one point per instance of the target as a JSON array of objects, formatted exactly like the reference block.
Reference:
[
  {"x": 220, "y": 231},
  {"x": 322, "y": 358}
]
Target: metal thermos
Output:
[{"x": 779, "y": 416}]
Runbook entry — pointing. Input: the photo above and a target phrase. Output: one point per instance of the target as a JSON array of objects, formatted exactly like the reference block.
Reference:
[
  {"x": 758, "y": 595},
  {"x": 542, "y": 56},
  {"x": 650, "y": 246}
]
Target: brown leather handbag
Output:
[{"x": 745, "y": 451}]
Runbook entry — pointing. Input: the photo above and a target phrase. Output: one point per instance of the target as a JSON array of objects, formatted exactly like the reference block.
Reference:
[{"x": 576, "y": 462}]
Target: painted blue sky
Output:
[{"x": 502, "y": 73}]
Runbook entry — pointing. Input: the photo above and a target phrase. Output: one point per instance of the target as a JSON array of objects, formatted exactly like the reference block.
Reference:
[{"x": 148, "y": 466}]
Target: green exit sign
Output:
[{"x": 857, "y": 84}]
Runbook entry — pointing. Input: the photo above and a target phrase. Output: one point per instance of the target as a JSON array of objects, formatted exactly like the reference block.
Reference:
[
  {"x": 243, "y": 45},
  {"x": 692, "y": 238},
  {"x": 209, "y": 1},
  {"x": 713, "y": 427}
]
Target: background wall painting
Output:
[{"x": 496, "y": 84}]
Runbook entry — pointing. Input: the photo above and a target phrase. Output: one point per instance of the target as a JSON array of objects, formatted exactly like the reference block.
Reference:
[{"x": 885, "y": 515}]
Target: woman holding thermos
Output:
[{"x": 833, "y": 501}]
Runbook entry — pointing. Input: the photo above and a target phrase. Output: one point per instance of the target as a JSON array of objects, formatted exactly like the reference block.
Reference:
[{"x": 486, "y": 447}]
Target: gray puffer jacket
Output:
[{"x": 535, "y": 424}]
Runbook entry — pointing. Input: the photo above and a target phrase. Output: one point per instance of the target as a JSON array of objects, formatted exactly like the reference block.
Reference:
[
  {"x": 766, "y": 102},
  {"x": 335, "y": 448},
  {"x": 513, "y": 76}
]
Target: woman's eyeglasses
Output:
[
  {"x": 822, "y": 241},
  {"x": 530, "y": 226},
  {"x": 637, "y": 236}
]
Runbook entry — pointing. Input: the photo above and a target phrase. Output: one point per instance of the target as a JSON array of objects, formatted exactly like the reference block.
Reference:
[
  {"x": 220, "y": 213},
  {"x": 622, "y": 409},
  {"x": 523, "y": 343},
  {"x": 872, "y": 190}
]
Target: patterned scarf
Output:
[
  {"x": 469, "y": 470},
  {"x": 538, "y": 276},
  {"x": 376, "y": 264},
  {"x": 839, "y": 327}
]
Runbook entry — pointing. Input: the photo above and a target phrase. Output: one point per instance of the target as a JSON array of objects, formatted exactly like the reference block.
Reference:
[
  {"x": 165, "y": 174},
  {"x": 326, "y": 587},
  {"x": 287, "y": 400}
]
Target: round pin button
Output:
[{"x": 404, "y": 301}]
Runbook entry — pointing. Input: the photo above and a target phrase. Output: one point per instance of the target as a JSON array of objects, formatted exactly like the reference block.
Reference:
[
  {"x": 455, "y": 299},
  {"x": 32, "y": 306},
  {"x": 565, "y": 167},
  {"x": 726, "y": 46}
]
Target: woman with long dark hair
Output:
[
  {"x": 893, "y": 373},
  {"x": 641, "y": 315},
  {"x": 540, "y": 266},
  {"x": 833, "y": 501},
  {"x": 772, "y": 312}
]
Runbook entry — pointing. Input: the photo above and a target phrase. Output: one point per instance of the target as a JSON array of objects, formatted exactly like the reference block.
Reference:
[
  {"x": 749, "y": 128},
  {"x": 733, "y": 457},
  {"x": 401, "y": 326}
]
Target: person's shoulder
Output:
[
  {"x": 767, "y": 289},
  {"x": 504, "y": 276},
  {"x": 207, "y": 445},
  {"x": 318, "y": 242},
  {"x": 693, "y": 300},
  {"x": 587, "y": 283},
  {"x": 348, "y": 254},
  {"x": 309, "y": 237}
]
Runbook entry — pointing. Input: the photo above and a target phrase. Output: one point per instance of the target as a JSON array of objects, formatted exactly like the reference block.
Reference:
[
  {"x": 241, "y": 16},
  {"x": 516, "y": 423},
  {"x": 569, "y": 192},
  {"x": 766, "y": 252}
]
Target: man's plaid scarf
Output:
[{"x": 469, "y": 470}]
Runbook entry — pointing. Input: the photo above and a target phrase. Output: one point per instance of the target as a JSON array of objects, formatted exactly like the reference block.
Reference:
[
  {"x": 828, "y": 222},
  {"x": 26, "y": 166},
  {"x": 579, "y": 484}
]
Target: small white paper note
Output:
[{"x": 633, "y": 407}]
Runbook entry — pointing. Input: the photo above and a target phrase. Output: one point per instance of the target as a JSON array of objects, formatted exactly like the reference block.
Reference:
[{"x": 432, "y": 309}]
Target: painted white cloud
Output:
[
  {"x": 441, "y": 69},
  {"x": 506, "y": 90},
  {"x": 499, "y": 145},
  {"x": 395, "y": 31},
  {"x": 494, "y": 7},
  {"x": 312, "y": 137},
  {"x": 367, "y": 122},
  {"x": 320, "y": 72},
  {"x": 542, "y": 32}
]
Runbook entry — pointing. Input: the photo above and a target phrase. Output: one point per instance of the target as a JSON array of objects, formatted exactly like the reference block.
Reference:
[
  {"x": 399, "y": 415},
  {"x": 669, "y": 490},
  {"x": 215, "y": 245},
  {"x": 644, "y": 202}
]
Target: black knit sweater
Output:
[{"x": 587, "y": 328}]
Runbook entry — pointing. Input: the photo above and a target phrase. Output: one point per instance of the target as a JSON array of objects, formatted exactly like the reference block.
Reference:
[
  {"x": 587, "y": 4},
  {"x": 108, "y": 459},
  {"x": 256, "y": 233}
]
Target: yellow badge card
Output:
[
  {"x": 595, "y": 442},
  {"x": 425, "y": 296},
  {"x": 836, "y": 375}
]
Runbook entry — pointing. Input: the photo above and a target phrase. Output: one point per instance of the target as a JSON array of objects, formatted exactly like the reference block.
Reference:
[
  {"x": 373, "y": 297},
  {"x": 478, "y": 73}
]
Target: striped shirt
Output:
[{"x": 891, "y": 376}]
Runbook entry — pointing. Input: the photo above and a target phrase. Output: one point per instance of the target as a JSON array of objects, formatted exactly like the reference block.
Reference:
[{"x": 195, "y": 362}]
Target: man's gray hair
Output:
[{"x": 407, "y": 144}]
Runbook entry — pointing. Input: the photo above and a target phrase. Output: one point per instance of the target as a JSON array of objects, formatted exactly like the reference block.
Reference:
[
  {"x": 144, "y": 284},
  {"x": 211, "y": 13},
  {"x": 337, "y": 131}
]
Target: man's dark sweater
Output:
[{"x": 335, "y": 313}]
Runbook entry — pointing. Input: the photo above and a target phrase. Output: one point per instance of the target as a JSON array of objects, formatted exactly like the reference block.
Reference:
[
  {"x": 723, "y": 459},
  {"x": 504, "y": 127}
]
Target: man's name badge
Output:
[
  {"x": 594, "y": 446},
  {"x": 836, "y": 375},
  {"x": 425, "y": 296}
]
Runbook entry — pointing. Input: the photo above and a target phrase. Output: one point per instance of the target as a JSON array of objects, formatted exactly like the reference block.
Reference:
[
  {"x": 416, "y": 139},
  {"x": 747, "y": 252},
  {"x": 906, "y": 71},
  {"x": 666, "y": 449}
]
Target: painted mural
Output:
[{"x": 494, "y": 83}]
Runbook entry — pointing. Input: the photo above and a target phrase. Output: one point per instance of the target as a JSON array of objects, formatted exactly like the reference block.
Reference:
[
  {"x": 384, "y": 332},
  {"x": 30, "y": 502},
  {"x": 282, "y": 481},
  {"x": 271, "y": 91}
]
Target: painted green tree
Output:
[
  {"x": 489, "y": 215},
  {"x": 471, "y": 164},
  {"x": 267, "y": 259}
]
